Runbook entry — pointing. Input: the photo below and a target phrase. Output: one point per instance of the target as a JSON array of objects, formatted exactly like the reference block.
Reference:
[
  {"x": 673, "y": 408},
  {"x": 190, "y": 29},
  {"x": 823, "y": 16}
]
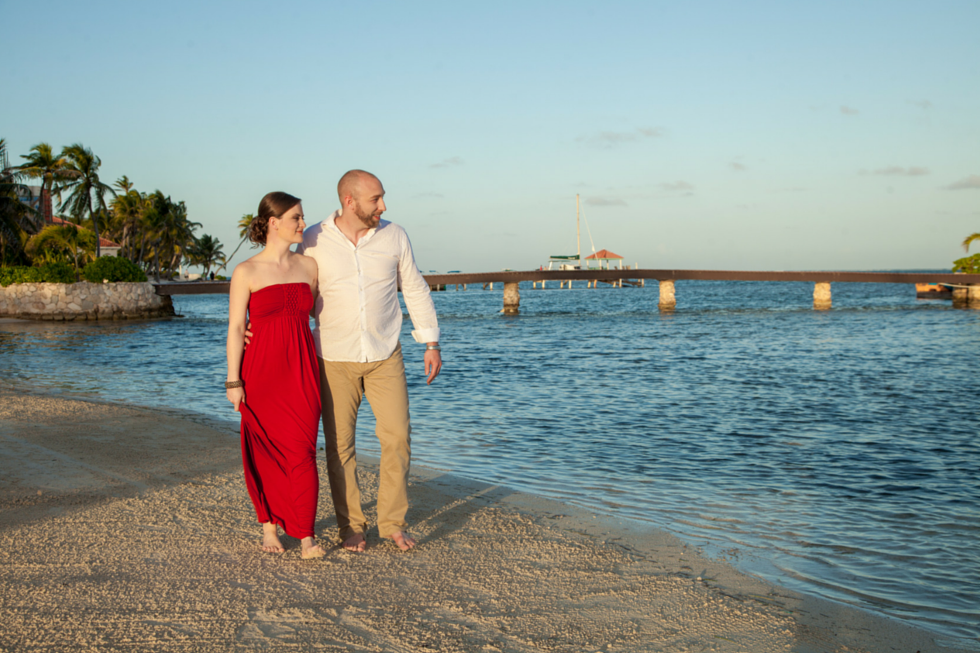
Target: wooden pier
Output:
[{"x": 966, "y": 287}]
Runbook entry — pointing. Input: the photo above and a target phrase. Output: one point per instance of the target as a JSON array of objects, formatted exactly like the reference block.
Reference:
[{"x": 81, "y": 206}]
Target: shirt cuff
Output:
[{"x": 426, "y": 335}]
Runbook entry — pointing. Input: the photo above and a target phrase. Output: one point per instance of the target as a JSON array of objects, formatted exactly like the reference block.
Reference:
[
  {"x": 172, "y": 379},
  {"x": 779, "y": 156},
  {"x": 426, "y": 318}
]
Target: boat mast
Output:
[{"x": 578, "y": 234}]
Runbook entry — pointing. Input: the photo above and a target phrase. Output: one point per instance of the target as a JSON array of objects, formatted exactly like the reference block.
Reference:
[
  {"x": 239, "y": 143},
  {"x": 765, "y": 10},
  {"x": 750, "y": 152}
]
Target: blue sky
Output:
[{"x": 716, "y": 135}]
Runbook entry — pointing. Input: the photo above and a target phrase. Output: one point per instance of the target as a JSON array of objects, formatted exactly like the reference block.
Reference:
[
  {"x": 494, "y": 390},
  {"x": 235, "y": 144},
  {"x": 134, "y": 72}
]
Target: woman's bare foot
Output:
[
  {"x": 270, "y": 539},
  {"x": 403, "y": 540},
  {"x": 311, "y": 549},
  {"x": 355, "y": 543}
]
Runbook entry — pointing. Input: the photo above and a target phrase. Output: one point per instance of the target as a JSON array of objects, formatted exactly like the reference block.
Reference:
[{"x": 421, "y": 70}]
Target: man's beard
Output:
[{"x": 370, "y": 220}]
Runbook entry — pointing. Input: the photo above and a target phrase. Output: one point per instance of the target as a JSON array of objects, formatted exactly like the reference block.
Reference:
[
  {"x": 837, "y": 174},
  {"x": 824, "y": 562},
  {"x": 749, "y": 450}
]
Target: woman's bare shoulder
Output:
[
  {"x": 244, "y": 272},
  {"x": 308, "y": 263}
]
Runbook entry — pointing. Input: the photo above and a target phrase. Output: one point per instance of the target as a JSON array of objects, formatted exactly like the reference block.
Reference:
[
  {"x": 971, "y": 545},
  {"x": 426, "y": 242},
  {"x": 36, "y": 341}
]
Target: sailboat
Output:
[
  {"x": 604, "y": 259},
  {"x": 564, "y": 260}
]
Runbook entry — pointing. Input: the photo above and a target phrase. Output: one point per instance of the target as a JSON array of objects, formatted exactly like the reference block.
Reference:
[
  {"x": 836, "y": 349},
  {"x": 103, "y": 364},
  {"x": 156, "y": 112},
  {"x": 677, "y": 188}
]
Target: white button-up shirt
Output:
[{"x": 358, "y": 317}]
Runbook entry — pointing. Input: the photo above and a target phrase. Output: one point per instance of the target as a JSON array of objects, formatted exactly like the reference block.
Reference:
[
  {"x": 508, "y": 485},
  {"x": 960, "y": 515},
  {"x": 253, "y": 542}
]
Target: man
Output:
[{"x": 362, "y": 261}]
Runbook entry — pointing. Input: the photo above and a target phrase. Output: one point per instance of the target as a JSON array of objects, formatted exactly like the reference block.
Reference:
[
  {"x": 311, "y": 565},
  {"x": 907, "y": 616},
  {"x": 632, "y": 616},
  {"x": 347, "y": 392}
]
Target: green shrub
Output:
[
  {"x": 48, "y": 273},
  {"x": 58, "y": 272},
  {"x": 112, "y": 268},
  {"x": 967, "y": 264}
]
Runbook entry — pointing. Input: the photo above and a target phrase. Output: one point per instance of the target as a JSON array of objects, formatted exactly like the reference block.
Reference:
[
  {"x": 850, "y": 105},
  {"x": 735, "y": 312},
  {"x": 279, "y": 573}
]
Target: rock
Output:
[{"x": 83, "y": 301}]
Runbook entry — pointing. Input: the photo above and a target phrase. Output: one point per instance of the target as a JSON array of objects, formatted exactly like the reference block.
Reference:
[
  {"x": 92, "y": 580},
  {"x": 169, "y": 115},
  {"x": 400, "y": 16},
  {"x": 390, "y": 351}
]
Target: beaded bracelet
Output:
[{"x": 234, "y": 384}]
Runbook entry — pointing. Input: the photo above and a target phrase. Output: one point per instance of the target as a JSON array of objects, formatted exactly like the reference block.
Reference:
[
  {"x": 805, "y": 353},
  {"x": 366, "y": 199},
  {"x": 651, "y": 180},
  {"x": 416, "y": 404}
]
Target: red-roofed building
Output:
[
  {"x": 604, "y": 256},
  {"x": 106, "y": 246}
]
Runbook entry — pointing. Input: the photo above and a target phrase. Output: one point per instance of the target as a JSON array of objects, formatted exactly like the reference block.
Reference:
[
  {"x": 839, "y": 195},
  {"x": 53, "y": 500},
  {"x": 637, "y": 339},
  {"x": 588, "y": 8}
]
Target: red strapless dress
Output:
[{"x": 281, "y": 411}]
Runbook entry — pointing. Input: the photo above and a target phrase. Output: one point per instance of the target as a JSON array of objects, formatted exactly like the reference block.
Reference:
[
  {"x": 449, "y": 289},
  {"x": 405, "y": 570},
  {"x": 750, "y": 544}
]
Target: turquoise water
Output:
[{"x": 833, "y": 452}]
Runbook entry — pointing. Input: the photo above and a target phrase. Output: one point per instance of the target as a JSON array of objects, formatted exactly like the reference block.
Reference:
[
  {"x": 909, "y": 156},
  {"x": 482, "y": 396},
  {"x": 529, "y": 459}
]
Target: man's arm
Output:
[{"x": 421, "y": 309}]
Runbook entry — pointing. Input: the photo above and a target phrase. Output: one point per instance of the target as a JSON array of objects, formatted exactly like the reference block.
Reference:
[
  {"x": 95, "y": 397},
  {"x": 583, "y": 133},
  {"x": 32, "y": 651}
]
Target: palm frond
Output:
[{"x": 969, "y": 240}]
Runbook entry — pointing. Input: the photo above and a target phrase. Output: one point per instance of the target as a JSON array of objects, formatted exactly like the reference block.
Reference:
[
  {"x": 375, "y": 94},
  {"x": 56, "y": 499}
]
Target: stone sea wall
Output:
[{"x": 83, "y": 301}]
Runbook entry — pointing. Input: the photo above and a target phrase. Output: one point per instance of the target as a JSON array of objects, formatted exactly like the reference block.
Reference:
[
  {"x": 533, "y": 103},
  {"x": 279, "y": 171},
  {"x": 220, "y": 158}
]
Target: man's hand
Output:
[{"x": 433, "y": 364}]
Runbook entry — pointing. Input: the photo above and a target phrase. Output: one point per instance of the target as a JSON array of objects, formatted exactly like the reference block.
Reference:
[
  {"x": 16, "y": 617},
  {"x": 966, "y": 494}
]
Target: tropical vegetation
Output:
[
  {"x": 154, "y": 231},
  {"x": 968, "y": 264},
  {"x": 17, "y": 219},
  {"x": 46, "y": 273},
  {"x": 112, "y": 268},
  {"x": 57, "y": 242},
  {"x": 206, "y": 252},
  {"x": 243, "y": 226}
]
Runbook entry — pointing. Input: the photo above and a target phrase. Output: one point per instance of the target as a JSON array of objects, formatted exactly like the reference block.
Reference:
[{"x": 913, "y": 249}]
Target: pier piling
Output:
[
  {"x": 821, "y": 296},
  {"x": 667, "y": 300},
  {"x": 966, "y": 296},
  {"x": 961, "y": 297},
  {"x": 512, "y": 298}
]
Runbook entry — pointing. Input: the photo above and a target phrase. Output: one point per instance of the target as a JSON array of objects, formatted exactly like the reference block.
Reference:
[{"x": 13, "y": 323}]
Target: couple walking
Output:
[{"x": 347, "y": 270}]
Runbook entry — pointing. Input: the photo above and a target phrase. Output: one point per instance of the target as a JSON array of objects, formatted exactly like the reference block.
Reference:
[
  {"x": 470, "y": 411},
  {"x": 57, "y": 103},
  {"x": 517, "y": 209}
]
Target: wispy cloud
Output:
[
  {"x": 898, "y": 171},
  {"x": 605, "y": 201},
  {"x": 738, "y": 167},
  {"x": 448, "y": 163},
  {"x": 925, "y": 105},
  {"x": 966, "y": 183},
  {"x": 849, "y": 111},
  {"x": 608, "y": 139},
  {"x": 676, "y": 186}
]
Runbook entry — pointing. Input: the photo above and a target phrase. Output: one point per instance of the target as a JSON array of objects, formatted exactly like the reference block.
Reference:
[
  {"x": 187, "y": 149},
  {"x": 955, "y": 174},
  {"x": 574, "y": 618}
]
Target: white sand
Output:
[{"x": 129, "y": 529}]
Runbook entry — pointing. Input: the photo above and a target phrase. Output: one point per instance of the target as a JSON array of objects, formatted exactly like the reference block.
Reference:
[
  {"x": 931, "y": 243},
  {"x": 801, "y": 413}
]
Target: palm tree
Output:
[
  {"x": 120, "y": 215},
  {"x": 84, "y": 183},
  {"x": 42, "y": 164},
  {"x": 167, "y": 232},
  {"x": 154, "y": 228},
  {"x": 970, "y": 239},
  {"x": 17, "y": 219},
  {"x": 124, "y": 184},
  {"x": 180, "y": 234},
  {"x": 243, "y": 226},
  {"x": 63, "y": 239},
  {"x": 207, "y": 252},
  {"x": 128, "y": 210}
]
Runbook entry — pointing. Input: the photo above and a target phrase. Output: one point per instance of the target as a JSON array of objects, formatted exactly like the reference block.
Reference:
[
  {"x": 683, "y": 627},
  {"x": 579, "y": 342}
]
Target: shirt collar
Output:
[{"x": 332, "y": 224}]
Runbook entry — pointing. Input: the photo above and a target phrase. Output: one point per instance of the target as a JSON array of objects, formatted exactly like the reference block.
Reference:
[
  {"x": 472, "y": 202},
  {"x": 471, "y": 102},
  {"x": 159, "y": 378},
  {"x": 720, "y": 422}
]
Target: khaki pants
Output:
[{"x": 341, "y": 387}]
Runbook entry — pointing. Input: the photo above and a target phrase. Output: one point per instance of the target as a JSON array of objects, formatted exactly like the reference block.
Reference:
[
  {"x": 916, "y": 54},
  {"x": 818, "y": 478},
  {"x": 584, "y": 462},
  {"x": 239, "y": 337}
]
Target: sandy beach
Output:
[{"x": 129, "y": 529}]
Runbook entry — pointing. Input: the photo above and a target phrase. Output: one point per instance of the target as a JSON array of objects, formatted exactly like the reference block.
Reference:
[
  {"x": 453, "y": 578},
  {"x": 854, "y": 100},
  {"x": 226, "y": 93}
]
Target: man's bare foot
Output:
[
  {"x": 311, "y": 549},
  {"x": 403, "y": 540},
  {"x": 355, "y": 543},
  {"x": 270, "y": 539}
]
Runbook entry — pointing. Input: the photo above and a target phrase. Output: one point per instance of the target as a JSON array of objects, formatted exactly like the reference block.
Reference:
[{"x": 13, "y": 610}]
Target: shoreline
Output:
[{"x": 127, "y": 527}]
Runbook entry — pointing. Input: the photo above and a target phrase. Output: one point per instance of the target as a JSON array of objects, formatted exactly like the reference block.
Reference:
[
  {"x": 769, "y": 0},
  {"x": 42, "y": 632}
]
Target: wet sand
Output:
[{"x": 129, "y": 529}]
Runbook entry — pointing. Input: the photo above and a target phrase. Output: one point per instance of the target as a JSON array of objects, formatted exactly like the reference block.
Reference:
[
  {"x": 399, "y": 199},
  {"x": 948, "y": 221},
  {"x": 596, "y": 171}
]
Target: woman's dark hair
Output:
[{"x": 273, "y": 205}]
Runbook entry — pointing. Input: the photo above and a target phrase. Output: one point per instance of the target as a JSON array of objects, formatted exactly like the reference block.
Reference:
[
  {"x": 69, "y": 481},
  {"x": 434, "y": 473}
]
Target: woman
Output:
[{"x": 275, "y": 384}]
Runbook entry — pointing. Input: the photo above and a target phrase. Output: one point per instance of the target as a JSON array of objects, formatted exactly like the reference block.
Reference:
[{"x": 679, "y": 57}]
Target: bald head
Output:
[
  {"x": 361, "y": 199},
  {"x": 351, "y": 183}
]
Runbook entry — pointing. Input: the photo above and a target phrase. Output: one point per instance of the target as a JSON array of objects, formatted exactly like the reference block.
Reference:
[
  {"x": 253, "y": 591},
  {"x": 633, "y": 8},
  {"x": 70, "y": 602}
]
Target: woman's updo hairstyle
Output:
[{"x": 273, "y": 205}]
